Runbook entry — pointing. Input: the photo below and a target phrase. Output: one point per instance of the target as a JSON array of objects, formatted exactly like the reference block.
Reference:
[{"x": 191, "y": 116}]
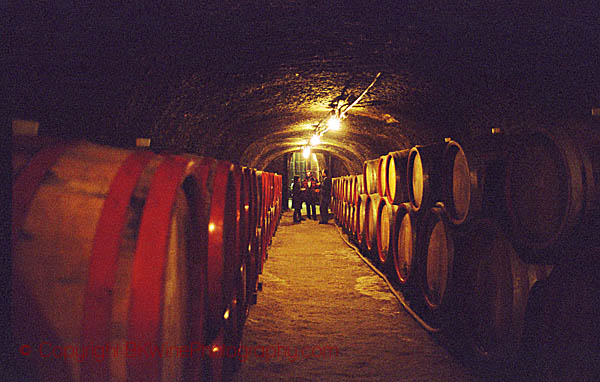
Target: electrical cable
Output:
[{"x": 398, "y": 296}]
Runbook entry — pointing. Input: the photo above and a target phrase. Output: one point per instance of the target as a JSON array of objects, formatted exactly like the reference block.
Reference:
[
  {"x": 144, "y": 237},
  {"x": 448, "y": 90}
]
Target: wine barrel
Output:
[
  {"x": 236, "y": 303},
  {"x": 471, "y": 177},
  {"x": 262, "y": 178},
  {"x": 244, "y": 219},
  {"x": 396, "y": 179},
  {"x": 456, "y": 193},
  {"x": 347, "y": 212},
  {"x": 361, "y": 213},
  {"x": 334, "y": 209},
  {"x": 423, "y": 173},
  {"x": 351, "y": 189},
  {"x": 345, "y": 189},
  {"x": 358, "y": 187},
  {"x": 382, "y": 175},
  {"x": 224, "y": 283},
  {"x": 492, "y": 300},
  {"x": 260, "y": 198},
  {"x": 371, "y": 223},
  {"x": 245, "y": 222},
  {"x": 25, "y": 148},
  {"x": 552, "y": 190},
  {"x": 405, "y": 262},
  {"x": 122, "y": 242},
  {"x": 370, "y": 176},
  {"x": 562, "y": 330},
  {"x": 352, "y": 221},
  {"x": 386, "y": 218},
  {"x": 436, "y": 250},
  {"x": 254, "y": 245}
]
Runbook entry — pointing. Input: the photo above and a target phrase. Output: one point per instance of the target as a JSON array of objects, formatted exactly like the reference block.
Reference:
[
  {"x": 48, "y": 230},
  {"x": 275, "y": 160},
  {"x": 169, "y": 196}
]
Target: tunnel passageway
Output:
[{"x": 323, "y": 315}]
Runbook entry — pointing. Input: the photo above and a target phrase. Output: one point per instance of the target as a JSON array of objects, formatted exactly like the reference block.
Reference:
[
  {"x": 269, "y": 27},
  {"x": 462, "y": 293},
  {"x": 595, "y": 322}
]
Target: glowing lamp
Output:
[
  {"x": 315, "y": 140},
  {"x": 306, "y": 152},
  {"x": 334, "y": 123}
]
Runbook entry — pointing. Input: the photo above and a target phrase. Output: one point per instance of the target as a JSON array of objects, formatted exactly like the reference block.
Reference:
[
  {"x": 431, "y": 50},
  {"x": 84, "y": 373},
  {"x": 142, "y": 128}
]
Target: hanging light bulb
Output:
[
  {"x": 315, "y": 140},
  {"x": 306, "y": 152},
  {"x": 333, "y": 123}
]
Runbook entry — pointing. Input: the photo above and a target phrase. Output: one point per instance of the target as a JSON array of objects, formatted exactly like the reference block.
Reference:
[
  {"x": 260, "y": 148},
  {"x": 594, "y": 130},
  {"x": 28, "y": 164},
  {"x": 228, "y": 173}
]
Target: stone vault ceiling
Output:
[{"x": 247, "y": 81}]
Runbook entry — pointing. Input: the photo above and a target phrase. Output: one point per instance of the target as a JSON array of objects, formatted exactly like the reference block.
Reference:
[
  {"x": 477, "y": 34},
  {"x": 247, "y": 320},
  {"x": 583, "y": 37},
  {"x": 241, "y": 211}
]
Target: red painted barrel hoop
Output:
[
  {"x": 28, "y": 182},
  {"x": 103, "y": 261}
]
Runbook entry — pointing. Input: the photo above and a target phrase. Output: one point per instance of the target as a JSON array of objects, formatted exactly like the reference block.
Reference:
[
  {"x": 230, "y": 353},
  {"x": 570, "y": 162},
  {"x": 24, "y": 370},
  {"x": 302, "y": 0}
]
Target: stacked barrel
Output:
[
  {"x": 467, "y": 230},
  {"x": 136, "y": 254},
  {"x": 345, "y": 191}
]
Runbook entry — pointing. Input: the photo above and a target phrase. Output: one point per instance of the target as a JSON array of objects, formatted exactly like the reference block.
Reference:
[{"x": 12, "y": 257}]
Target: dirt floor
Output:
[{"x": 324, "y": 315}]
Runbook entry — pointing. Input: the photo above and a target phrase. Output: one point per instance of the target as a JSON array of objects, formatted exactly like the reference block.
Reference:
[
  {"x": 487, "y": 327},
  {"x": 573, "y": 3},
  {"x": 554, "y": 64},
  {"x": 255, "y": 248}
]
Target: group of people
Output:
[{"x": 310, "y": 191}]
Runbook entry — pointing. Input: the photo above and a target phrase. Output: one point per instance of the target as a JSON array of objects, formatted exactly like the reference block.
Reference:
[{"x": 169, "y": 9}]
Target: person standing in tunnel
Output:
[
  {"x": 325, "y": 195},
  {"x": 310, "y": 184},
  {"x": 297, "y": 199}
]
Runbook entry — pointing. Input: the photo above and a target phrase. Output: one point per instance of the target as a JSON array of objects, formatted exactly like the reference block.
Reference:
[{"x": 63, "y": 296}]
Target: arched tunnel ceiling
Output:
[
  {"x": 246, "y": 81},
  {"x": 271, "y": 114}
]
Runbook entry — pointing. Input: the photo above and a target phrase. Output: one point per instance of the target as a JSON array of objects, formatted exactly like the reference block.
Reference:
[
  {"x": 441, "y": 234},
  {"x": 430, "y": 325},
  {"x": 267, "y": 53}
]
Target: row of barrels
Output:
[
  {"x": 133, "y": 265},
  {"x": 543, "y": 185},
  {"x": 468, "y": 230}
]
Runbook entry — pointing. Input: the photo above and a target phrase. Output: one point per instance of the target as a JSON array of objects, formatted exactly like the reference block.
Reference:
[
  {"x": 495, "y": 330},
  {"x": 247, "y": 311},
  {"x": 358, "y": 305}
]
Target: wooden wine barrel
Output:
[
  {"x": 405, "y": 263},
  {"x": 358, "y": 187},
  {"x": 245, "y": 238},
  {"x": 494, "y": 289},
  {"x": 262, "y": 177},
  {"x": 396, "y": 178},
  {"x": 260, "y": 198},
  {"x": 223, "y": 324},
  {"x": 351, "y": 189},
  {"x": 552, "y": 190},
  {"x": 561, "y": 334},
  {"x": 370, "y": 176},
  {"x": 424, "y": 175},
  {"x": 361, "y": 213},
  {"x": 235, "y": 287},
  {"x": 123, "y": 245},
  {"x": 347, "y": 212},
  {"x": 386, "y": 218},
  {"x": 472, "y": 174},
  {"x": 456, "y": 193},
  {"x": 245, "y": 196},
  {"x": 254, "y": 245},
  {"x": 344, "y": 189},
  {"x": 382, "y": 175},
  {"x": 371, "y": 223},
  {"x": 352, "y": 221},
  {"x": 334, "y": 209},
  {"x": 437, "y": 253},
  {"x": 24, "y": 148},
  {"x": 334, "y": 188},
  {"x": 346, "y": 186}
]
